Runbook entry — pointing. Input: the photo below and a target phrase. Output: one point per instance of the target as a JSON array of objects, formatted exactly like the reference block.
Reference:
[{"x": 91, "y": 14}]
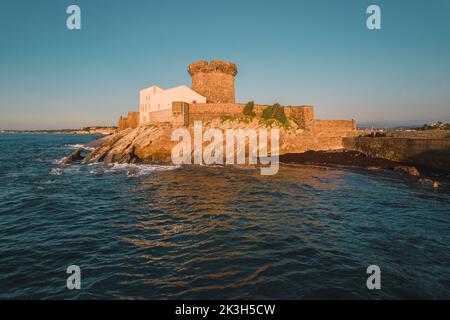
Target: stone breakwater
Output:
[
  {"x": 418, "y": 150},
  {"x": 424, "y": 176}
]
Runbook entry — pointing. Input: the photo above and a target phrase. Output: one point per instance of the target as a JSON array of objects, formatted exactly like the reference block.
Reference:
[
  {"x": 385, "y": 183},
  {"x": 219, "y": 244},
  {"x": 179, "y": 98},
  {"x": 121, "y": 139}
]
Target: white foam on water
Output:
[
  {"x": 59, "y": 161},
  {"x": 56, "y": 171},
  {"x": 73, "y": 168},
  {"x": 141, "y": 169},
  {"x": 147, "y": 169},
  {"x": 99, "y": 169},
  {"x": 78, "y": 145},
  {"x": 74, "y": 146},
  {"x": 97, "y": 172}
]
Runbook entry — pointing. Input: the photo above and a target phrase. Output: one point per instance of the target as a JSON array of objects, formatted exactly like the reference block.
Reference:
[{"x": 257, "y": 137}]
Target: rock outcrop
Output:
[
  {"x": 408, "y": 170},
  {"x": 153, "y": 144},
  {"x": 144, "y": 144},
  {"x": 434, "y": 183},
  {"x": 74, "y": 156}
]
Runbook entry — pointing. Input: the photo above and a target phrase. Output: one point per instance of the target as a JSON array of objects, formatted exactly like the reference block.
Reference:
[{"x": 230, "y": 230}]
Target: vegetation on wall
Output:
[
  {"x": 248, "y": 109},
  {"x": 275, "y": 113},
  {"x": 245, "y": 120}
]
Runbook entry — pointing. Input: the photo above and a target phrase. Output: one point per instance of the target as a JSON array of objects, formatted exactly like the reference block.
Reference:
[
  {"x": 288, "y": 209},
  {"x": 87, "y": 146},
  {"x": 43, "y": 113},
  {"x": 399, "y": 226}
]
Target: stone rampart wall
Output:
[
  {"x": 131, "y": 121},
  {"x": 426, "y": 152}
]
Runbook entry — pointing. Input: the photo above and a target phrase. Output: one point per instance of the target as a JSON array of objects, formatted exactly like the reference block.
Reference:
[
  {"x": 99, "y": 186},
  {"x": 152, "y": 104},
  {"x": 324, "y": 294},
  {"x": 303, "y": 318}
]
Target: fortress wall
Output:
[
  {"x": 324, "y": 134},
  {"x": 217, "y": 108},
  {"x": 180, "y": 113},
  {"x": 303, "y": 115},
  {"x": 427, "y": 152},
  {"x": 209, "y": 111},
  {"x": 306, "y": 142},
  {"x": 318, "y": 134},
  {"x": 132, "y": 121},
  {"x": 333, "y": 125},
  {"x": 121, "y": 124},
  {"x": 160, "y": 116}
]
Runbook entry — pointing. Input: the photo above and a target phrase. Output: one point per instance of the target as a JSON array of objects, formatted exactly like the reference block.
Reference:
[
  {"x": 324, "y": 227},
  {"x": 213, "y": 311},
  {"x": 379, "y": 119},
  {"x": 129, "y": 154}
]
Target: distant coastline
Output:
[{"x": 86, "y": 130}]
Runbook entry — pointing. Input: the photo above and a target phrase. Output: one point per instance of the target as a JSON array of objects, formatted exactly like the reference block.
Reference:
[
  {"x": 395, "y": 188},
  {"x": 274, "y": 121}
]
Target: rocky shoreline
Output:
[
  {"x": 424, "y": 175},
  {"x": 153, "y": 145}
]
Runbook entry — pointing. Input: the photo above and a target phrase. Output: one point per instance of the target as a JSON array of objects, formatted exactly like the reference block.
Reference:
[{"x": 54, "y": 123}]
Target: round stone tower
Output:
[{"x": 214, "y": 80}]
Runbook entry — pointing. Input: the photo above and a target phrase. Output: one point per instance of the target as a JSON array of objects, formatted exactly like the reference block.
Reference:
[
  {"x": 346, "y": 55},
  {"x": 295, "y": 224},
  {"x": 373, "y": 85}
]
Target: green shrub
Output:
[
  {"x": 275, "y": 113},
  {"x": 242, "y": 119},
  {"x": 248, "y": 109},
  {"x": 267, "y": 113},
  {"x": 278, "y": 113}
]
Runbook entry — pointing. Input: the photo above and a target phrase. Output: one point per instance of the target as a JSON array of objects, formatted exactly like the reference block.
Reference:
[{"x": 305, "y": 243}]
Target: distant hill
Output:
[
  {"x": 435, "y": 126},
  {"x": 439, "y": 125}
]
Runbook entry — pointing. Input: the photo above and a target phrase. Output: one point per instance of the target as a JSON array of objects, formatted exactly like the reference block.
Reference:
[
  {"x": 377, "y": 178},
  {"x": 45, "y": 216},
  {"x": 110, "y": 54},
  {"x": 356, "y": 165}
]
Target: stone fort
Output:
[{"x": 215, "y": 82}]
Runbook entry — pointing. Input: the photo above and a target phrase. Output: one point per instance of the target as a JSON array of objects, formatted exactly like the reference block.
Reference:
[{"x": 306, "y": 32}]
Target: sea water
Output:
[{"x": 188, "y": 232}]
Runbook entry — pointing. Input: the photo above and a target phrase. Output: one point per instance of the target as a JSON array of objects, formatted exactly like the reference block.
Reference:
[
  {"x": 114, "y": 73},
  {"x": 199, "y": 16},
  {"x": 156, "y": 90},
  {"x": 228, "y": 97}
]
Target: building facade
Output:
[{"x": 154, "y": 100}]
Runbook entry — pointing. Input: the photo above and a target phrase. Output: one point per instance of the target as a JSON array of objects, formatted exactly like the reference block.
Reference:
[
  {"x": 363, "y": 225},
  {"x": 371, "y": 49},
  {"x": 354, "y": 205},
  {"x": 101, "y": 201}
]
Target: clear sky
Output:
[{"x": 294, "y": 52}]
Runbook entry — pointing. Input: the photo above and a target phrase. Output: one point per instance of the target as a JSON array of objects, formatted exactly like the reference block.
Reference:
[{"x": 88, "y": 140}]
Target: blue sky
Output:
[{"x": 293, "y": 52}]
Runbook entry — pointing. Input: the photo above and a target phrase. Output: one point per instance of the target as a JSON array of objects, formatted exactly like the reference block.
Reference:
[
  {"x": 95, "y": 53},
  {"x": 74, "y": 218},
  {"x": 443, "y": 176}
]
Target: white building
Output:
[{"x": 153, "y": 99}]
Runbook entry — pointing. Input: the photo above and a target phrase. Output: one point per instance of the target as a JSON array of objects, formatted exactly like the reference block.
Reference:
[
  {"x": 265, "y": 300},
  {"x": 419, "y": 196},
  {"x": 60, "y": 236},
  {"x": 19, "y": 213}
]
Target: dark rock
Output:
[
  {"x": 108, "y": 158},
  {"x": 132, "y": 172},
  {"x": 130, "y": 157},
  {"x": 408, "y": 170},
  {"x": 346, "y": 158},
  {"x": 434, "y": 183},
  {"x": 74, "y": 156}
]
